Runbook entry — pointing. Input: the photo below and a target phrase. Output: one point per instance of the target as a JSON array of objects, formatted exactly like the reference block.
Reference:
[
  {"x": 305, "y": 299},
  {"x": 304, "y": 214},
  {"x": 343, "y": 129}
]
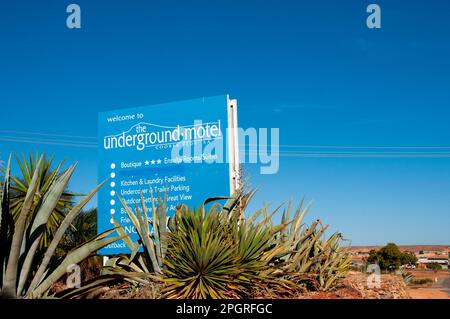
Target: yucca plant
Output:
[
  {"x": 23, "y": 272},
  {"x": 201, "y": 260},
  {"x": 219, "y": 254}
]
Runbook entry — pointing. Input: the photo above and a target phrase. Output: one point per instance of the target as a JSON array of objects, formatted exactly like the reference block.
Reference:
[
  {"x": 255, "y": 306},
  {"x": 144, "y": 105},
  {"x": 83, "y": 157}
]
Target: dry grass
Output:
[{"x": 130, "y": 291}]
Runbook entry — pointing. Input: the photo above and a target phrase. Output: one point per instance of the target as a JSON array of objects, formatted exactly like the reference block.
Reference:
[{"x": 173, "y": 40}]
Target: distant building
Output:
[{"x": 423, "y": 261}]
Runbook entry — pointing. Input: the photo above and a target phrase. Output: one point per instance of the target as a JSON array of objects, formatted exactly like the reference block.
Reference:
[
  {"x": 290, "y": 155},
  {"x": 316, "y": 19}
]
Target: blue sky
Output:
[{"x": 311, "y": 68}]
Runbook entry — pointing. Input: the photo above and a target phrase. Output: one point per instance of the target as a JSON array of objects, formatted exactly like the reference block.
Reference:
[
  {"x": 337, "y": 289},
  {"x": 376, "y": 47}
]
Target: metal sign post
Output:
[{"x": 233, "y": 148}]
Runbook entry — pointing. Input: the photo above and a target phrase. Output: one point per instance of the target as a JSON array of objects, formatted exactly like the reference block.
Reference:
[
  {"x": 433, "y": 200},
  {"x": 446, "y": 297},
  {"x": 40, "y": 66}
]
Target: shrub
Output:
[
  {"x": 390, "y": 257},
  {"x": 434, "y": 266},
  {"x": 424, "y": 281}
]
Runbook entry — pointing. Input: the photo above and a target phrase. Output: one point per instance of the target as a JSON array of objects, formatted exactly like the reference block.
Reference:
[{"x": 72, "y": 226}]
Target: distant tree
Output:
[
  {"x": 83, "y": 228},
  {"x": 408, "y": 258},
  {"x": 390, "y": 257},
  {"x": 19, "y": 188}
]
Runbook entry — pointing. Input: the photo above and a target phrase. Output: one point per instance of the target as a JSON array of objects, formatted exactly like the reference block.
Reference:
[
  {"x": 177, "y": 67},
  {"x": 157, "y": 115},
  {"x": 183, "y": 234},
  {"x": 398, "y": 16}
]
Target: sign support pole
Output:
[{"x": 233, "y": 145}]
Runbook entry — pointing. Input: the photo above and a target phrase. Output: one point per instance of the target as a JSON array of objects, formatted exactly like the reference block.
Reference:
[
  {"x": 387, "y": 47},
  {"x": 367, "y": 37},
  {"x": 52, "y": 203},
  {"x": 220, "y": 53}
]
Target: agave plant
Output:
[
  {"x": 407, "y": 277},
  {"x": 309, "y": 258},
  {"x": 20, "y": 186},
  {"x": 23, "y": 273},
  {"x": 148, "y": 253}
]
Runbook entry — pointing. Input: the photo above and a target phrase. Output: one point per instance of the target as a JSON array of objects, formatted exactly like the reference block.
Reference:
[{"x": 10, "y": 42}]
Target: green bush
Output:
[
  {"x": 424, "y": 281},
  {"x": 434, "y": 266}
]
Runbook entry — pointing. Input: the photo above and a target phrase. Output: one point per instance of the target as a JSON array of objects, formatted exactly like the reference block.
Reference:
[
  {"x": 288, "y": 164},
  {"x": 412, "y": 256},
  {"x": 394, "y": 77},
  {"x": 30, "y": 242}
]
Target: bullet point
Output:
[
  {"x": 113, "y": 193},
  {"x": 112, "y": 184},
  {"x": 113, "y": 166},
  {"x": 111, "y": 221},
  {"x": 112, "y": 211},
  {"x": 112, "y": 202},
  {"x": 112, "y": 175}
]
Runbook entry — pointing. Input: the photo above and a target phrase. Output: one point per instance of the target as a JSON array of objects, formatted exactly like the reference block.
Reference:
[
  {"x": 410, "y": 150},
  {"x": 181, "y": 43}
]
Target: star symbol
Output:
[
  {"x": 153, "y": 162},
  {"x": 146, "y": 162},
  {"x": 158, "y": 161}
]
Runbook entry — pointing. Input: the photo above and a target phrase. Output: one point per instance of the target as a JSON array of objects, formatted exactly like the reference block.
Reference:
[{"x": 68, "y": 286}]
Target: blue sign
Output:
[{"x": 182, "y": 147}]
